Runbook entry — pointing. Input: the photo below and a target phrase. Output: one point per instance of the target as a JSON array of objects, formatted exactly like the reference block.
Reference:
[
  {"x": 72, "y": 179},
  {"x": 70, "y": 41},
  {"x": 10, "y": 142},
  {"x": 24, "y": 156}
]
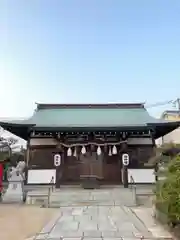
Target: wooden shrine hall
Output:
[{"x": 86, "y": 143}]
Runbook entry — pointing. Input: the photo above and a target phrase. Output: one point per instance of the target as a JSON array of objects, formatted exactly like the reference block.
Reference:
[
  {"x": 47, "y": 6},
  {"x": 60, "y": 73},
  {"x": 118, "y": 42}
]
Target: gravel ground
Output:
[{"x": 21, "y": 222}]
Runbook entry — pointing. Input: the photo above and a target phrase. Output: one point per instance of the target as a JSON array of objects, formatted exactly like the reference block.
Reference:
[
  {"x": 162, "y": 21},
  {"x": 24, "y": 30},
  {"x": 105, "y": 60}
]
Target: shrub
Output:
[
  {"x": 168, "y": 191},
  {"x": 174, "y": 165}
]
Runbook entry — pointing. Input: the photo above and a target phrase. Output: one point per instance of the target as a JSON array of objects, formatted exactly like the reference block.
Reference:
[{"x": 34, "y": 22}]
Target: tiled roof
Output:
[
  {"x": 93, "y": 115},
  {"x": 89, "y": 116}
]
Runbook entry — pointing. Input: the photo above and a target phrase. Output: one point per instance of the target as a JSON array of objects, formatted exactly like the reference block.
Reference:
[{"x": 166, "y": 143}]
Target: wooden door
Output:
[
  {"x": 112, "y": 169},
  {"x": 91, "y": 165},
  {"x": 70, "y": 170}
]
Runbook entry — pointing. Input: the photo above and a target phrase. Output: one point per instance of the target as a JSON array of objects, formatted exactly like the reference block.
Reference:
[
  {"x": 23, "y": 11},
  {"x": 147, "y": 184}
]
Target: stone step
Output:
[
  {"x": 57, "y": 204},
  {"x": 81, "y": 197}
]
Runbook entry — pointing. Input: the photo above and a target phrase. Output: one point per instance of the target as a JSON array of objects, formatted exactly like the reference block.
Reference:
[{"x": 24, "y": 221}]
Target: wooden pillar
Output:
[
  {"x": 125, "y": 177},
  {"x": 28, "y": 150},
  {"x": 27, "y": 153},
  {"x": 156, "y": 167},
  {"x": 125, "y": 166},
  {"x": 27, "y": 158},
  {"x": 59, "y": 169}
]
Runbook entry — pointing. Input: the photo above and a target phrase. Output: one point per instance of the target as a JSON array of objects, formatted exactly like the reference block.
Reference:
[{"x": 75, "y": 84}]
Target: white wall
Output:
[
  {"x": 44, "y": 176},
  {"x": 42, "y": 141},
  {"x": 41, "y": 176},
  {"x": 141, "y": 175},
  {"x": 159, "y": 142},
  {"x": 172, "y": 137},
  {"x": 140, "y": 141}
]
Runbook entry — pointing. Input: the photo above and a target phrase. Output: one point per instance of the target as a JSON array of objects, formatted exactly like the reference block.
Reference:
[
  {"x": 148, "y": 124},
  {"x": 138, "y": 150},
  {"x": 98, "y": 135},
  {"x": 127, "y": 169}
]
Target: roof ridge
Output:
[{"x": 90, "y": 105}]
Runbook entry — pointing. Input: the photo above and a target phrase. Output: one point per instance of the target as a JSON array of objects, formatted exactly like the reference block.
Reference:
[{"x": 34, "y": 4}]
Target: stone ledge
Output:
[{"x": 90, "y": 183}]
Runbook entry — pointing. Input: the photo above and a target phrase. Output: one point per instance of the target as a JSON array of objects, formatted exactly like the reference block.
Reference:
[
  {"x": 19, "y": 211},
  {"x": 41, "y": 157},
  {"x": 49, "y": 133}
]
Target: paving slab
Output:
[
  {"x": 101, "y": 220},
  {"x": 145, "y": 215}
]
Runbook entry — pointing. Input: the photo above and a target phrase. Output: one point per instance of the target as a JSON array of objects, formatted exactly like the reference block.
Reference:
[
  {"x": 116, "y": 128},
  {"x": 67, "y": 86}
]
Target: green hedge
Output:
[{"x": 168, "y": 191}]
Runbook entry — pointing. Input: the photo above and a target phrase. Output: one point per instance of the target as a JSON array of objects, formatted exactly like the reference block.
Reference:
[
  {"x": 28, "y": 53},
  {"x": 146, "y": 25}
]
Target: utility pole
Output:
[{"x": 178, "y": 104}]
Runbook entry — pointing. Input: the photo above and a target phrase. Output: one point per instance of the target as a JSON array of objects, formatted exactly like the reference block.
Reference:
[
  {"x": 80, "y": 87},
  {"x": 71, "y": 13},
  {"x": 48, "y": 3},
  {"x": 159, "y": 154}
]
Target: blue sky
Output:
[{"x": 78, "y": 51}]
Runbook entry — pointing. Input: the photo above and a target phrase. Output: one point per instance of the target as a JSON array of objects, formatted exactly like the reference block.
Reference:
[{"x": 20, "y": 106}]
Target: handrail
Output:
[
  {"x": 132, "y": 182},
  {"x": 133, "y": 188},
  {"x": 52, "y": 183},
  {"x": 50, "y": 189}
]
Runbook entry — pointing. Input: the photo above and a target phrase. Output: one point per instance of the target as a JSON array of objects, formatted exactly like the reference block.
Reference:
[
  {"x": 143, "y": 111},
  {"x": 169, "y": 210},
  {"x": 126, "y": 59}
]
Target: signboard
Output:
[
  {"x": 125, "y": 159},
  {"x": 57, "y": 160}
]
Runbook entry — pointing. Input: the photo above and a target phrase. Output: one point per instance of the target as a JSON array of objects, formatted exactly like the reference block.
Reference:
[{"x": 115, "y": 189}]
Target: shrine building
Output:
[{"x": 72, "y": 142}]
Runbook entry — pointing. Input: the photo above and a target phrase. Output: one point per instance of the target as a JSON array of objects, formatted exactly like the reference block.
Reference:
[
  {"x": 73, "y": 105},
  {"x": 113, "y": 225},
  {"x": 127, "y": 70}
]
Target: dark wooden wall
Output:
[
  {"x": 139, "y": 155},
  {"x": 42, "y": 158},
  {"x": 106, "y": 168}
]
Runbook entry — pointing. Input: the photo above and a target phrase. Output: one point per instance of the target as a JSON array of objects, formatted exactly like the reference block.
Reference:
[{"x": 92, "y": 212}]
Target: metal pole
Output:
[{"x": 178, "y": 103}]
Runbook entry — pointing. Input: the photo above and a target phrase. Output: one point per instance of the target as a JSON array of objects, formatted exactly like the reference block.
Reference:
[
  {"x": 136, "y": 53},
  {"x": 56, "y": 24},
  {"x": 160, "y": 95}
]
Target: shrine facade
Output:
[{"x": 70, "y": 143}]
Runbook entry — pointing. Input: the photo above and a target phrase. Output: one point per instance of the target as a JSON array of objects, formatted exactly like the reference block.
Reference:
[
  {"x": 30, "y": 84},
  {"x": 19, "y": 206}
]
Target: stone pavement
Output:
[
  {"x": 145, "y": 214},
  {"x": 97, "y": 222},
  {"x": 102, "y": 216}
]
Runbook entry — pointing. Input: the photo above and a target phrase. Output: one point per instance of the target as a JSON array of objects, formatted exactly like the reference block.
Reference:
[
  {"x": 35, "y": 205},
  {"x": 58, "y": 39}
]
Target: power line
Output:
[
  {"x": 175, "y": 102},
  {"x": 158, "y": 104}
]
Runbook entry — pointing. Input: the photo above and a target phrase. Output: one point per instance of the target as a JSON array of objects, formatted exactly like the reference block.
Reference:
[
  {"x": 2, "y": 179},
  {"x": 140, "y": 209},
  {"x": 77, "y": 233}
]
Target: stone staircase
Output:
[{"x": 78, "y": 197}]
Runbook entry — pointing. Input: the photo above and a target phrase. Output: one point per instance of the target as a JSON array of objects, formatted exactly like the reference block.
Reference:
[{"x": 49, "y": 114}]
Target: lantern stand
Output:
[{"x": 125, "y": 161}]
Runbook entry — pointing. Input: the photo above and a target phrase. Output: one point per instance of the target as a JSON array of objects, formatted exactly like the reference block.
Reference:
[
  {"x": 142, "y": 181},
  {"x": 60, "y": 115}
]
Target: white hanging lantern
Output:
[
  {"x": 114, "y": 150},
  {"x": 69, "y": 152},
  {"x": 125, "y": 159},
  {"x": 57, "y": 160},
  {"x": 98, "y": 151},
  {"x": 75, "y": 153},
  {"x": 83, "y": 150},
  {"x": 110, "y": 154}
]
